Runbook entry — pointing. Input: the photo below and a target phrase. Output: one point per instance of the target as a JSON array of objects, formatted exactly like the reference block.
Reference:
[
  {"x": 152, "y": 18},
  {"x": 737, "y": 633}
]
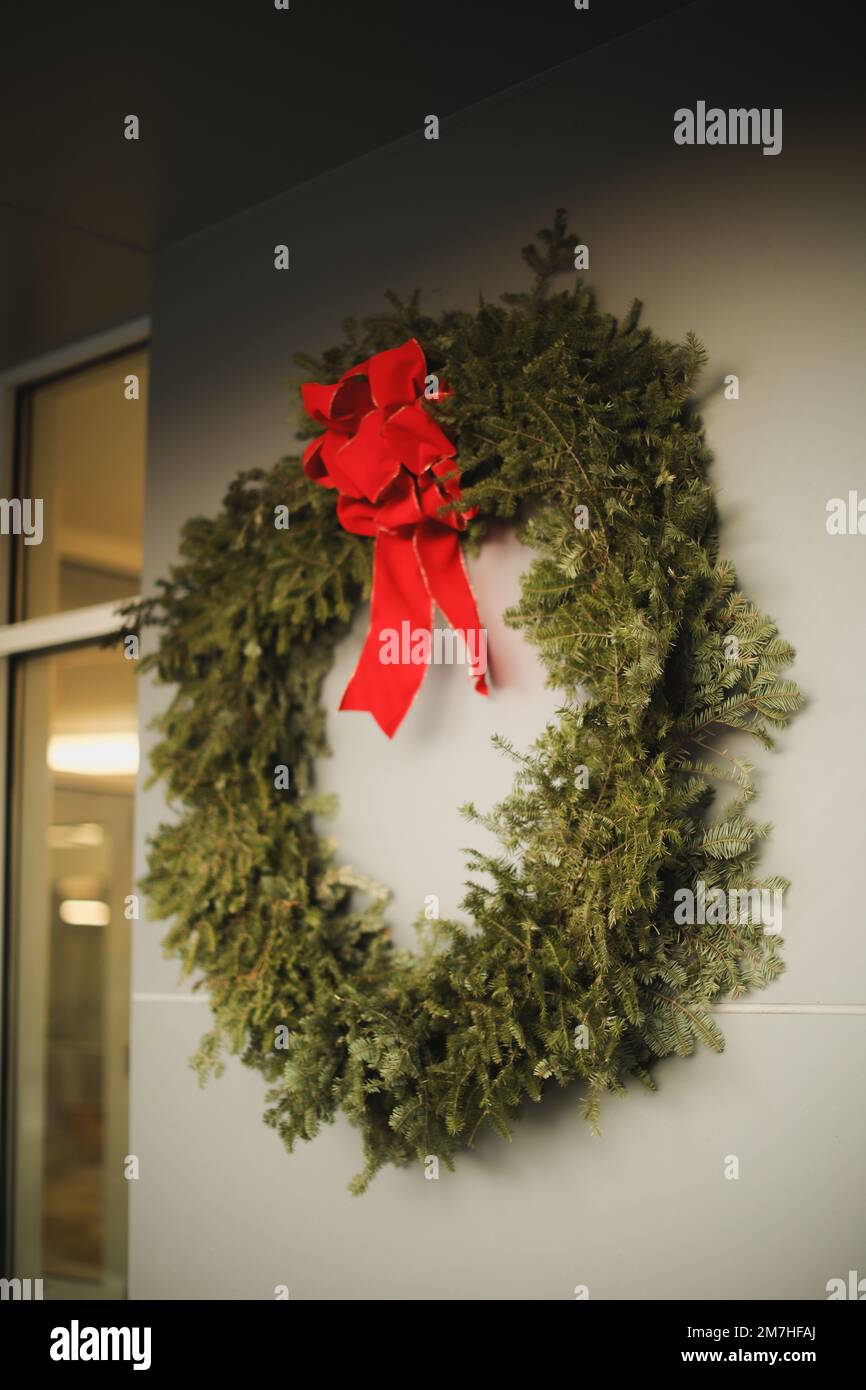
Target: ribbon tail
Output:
[
  {"x": 386, "y": 678},
  {"x": 441, "y": 558}
]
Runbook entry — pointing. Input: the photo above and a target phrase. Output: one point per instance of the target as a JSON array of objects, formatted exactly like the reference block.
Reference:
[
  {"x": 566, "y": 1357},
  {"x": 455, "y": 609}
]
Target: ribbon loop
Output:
[{"x": 395, "y": 473}]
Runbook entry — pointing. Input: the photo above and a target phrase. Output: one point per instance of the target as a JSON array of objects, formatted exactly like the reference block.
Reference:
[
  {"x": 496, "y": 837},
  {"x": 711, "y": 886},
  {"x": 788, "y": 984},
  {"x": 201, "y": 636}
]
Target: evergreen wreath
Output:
[{"x": 574, "y": 969}]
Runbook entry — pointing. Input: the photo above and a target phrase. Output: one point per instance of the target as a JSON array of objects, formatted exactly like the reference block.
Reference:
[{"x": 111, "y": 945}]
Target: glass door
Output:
[{"x": 72, "y": 767}]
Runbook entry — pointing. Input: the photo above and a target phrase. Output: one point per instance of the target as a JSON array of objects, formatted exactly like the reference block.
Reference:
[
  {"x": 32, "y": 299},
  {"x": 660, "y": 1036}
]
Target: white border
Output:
[{"x": 60, "y": 629}]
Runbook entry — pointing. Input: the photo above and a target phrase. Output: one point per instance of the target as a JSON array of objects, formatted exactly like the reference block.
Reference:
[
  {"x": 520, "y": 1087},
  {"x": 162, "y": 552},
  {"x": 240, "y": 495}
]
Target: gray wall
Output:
[{"x": 762, "y": 257}]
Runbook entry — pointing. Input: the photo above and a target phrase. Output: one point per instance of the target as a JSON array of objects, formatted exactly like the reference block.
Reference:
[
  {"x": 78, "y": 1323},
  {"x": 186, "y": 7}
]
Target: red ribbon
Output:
[{"x": 395, "y": 472}]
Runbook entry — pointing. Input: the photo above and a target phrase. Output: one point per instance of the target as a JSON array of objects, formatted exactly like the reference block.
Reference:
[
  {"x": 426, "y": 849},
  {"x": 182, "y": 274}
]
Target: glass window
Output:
[
  {"x": 76, "y": 758},
  {"x": 84, "y": 460}
]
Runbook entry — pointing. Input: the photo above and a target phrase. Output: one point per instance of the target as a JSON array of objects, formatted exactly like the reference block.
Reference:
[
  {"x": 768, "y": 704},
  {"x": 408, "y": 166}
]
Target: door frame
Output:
[{"x": 43, "y": 636}]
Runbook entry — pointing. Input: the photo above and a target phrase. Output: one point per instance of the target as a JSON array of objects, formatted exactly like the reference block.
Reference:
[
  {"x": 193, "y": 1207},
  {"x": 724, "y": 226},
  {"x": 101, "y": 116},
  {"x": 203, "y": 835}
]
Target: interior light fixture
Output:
[
  {"x": 86, "y": 835},
  {"x": 85, "y": 912},
  {"x": 94, "y": 755}
]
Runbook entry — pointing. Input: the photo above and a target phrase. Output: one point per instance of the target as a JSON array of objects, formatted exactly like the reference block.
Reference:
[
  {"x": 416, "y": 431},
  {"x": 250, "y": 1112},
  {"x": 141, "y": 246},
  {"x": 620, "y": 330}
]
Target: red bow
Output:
[{"x": 394, "y": 470}]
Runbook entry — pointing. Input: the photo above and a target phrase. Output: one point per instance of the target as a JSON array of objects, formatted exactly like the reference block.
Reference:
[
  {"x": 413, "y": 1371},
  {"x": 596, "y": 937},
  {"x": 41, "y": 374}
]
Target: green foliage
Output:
[{"x": 553, "y": 404}]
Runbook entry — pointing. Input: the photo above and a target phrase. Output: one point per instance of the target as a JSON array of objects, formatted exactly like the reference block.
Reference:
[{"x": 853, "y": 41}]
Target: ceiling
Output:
[{"x": 237, "y": 102}]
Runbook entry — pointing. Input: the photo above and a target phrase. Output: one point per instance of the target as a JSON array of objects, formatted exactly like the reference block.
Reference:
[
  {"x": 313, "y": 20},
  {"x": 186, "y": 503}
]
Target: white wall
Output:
[{"x": 762, "y": 257}]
